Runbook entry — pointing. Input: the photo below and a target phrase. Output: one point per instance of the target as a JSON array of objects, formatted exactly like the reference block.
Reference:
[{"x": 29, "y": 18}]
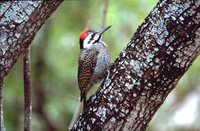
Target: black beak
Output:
[{"x": 101, "y": 31}]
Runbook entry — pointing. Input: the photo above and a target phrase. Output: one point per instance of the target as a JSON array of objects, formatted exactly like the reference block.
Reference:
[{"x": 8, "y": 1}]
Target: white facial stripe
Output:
[
  {"x": 96, "y": 37},
  {"x": 86, "y": 40},
  {"x": 89, "y": 40}
]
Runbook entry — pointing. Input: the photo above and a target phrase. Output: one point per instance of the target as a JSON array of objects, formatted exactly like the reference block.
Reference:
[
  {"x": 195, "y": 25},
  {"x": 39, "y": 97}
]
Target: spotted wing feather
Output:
[{"x": 87, "y": 63}]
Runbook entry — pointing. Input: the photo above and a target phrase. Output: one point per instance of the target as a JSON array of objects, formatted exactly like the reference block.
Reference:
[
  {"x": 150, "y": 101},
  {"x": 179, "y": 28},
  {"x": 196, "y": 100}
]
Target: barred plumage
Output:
[{"x": 94, "y": 60}]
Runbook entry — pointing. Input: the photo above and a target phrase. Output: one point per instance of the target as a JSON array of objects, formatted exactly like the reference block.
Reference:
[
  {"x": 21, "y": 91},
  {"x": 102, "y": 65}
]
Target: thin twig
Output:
[
  {"x": 104, "y": 14},
  {"x": 76, "y": 114},
  {"x": 27, "y": 90},
  {"x": 2, "y": 128}
]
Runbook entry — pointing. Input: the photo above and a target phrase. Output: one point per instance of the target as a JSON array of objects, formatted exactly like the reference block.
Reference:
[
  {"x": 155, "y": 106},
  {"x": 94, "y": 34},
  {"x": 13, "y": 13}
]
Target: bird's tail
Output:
[{"x": 83, "y": 98}]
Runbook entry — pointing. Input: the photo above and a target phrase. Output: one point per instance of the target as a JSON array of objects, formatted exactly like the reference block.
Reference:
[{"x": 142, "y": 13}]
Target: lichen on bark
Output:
[
  {"x": 19, "y": 22},
  {"x": 158, "y": 54}
]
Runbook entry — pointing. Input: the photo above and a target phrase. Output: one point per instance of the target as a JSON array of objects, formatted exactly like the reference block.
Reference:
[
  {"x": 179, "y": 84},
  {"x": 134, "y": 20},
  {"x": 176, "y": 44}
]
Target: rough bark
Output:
[
  {"x": 19, "y": 22},
  {"x": 158, "y": 54}
]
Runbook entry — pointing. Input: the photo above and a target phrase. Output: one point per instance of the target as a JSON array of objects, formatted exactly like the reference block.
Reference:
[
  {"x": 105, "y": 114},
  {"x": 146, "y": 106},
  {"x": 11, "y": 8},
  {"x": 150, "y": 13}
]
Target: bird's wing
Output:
[{"x": 87, "y": 63}]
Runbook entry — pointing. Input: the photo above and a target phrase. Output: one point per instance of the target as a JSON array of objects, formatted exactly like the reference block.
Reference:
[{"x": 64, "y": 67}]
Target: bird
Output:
[{"x": 94, "y": 60}]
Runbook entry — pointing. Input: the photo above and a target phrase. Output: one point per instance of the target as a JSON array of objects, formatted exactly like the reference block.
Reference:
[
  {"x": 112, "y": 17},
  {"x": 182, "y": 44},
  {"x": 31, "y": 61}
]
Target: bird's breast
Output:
[{"x": 103, "y": 61}]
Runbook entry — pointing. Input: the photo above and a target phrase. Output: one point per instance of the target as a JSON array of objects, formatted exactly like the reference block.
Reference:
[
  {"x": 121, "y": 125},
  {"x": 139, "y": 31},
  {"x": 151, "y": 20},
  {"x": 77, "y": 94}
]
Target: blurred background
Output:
[{"x": 54, "y": 62}]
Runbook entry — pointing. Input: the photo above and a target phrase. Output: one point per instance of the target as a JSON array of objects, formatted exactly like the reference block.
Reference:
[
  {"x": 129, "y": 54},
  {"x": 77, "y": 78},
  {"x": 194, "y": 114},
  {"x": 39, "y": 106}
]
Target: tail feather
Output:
[{"x": 83, "y": 98}]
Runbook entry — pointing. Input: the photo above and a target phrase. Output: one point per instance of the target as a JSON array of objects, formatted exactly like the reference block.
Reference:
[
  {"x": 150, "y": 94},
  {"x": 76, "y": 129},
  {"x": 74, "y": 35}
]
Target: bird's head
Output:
[{"x": 89, "y": 37}]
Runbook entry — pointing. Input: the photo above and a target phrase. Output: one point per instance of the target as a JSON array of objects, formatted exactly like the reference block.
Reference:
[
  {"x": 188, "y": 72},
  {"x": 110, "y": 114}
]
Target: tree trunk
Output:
[
  {"x": 19, "y": 22},
  {"x": 156, "y": 57},
  {"x": 158, "y": 54}
]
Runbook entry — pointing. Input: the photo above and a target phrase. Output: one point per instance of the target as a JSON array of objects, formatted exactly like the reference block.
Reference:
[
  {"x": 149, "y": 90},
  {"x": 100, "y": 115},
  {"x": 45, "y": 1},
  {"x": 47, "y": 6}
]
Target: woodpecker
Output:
[{"x": 94, "y": 60}]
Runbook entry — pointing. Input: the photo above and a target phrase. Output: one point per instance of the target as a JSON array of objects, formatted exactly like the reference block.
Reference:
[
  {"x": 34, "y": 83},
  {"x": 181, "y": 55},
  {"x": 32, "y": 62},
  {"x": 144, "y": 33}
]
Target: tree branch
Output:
[
  {"x": 104, "y": 14},
  {"x": 159, "y": 53},
  {"x": 2, "y": 128},
  {"x": 19, "y": 22},
  {"x": 27, "y": 90}
]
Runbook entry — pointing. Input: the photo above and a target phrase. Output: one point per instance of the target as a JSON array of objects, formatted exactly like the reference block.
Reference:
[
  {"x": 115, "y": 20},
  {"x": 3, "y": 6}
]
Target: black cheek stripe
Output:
[
  {"x": 97, "y": 40},
  {"x": 81, "y": 44},
  {"x": 92, "y": 37}
]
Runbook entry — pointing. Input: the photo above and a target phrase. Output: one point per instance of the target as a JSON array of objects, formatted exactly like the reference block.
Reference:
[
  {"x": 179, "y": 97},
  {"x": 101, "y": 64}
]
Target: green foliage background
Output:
[{"x": 54, "y": 61}]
